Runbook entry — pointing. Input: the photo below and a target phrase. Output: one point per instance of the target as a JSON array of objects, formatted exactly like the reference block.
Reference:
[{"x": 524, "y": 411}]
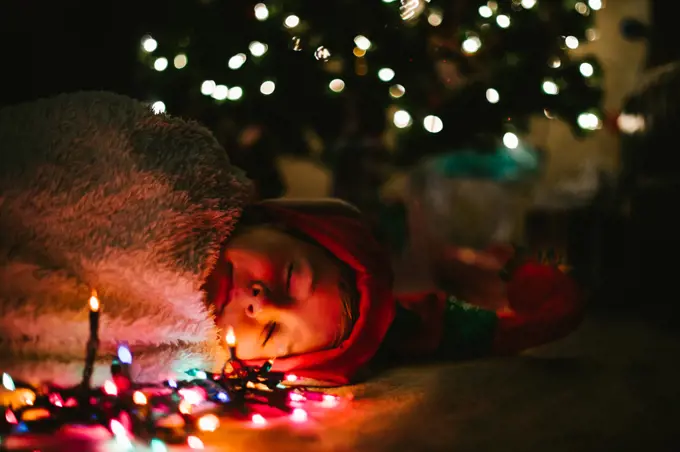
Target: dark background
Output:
[
  {"x": 67, "y": 45},
  {"x": 48, "y": 47}
]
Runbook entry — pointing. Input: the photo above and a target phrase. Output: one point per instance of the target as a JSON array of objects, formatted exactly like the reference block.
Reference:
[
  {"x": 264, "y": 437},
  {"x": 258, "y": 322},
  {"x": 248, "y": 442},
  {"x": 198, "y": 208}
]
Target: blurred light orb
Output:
[
  {"x": 510, "y": 140},
  {"x": 589, "y": 121},
  {"x": 336, "y": 85},
  {"x": 235, "y": 93},
  {"x": 435, "y": 18},
  {"x": 595, "y": 5},
  {"x": 261, "y": 12},
  {"x": 257, "y": 48},
  {"x": 396, "y": 91},
  {"x": 208, "y": 87},
  {"x": 237, "y": 61},
  {"x": 433, "y": 124},
  {"x": 362, "y": 42},
  {"x": 485, "y": 11},
  {"x": 149, "y": 44},
  {"x": 586, "y": 69},
  {"x": 471, "y": 45},
  {"x": 291, "y": 21},
  {"x": 550, "y": 87},
  {"x": 492, "y": 96},
  {"x": 180, "y": 61},
  {"x": 267, "y": 87},
  {"x": 582, "y": 8},
  {"x": 571, "y": 42},
  {"x": 160, "y": 64},
  {"x": 385, "y": 74},
  {"x": 220, "y": 92},
  {"x": 503, "y": 21},
  {"x": 402, "y": 119}
]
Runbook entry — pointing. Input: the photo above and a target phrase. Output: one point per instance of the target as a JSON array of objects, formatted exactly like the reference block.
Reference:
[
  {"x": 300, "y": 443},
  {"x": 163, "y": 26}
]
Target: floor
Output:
[{"x": 612, "y": 386}]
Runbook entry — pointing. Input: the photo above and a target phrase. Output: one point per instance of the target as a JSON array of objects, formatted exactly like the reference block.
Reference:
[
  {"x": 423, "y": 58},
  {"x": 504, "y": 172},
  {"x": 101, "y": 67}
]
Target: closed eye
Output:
[{"x": 289, "y": 277}]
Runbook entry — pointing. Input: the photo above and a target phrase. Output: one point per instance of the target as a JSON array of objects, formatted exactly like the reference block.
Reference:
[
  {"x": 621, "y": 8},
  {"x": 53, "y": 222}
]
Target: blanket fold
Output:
[{"x": 98, "y": 192}]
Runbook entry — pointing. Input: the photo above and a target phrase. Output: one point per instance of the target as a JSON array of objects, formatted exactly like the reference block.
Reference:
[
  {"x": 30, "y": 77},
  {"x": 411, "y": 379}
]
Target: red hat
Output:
[{"x": 339, "y": 228}]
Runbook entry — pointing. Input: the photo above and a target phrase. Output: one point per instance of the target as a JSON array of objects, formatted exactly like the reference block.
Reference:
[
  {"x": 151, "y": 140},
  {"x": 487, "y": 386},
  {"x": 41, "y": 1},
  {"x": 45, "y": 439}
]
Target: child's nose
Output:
[{"x": 254, "y": 307}]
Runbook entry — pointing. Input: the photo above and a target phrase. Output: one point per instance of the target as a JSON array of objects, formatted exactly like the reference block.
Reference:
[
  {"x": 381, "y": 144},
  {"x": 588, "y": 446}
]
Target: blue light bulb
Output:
[
  {"x": 158, "y": 446},
  {"x": 124, "y": 354},
  {"x": 7, "y": 382}
]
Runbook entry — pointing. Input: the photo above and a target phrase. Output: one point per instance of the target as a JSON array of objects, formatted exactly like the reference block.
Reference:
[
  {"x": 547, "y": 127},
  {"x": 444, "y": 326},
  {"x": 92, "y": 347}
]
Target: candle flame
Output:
[
  {"x": 94, "y": 301},
  {"x": 231, "y": 337}
]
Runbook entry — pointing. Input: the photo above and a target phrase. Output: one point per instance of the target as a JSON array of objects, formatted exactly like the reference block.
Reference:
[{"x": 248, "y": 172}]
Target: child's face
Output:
[{"x": 284, "y": 297}]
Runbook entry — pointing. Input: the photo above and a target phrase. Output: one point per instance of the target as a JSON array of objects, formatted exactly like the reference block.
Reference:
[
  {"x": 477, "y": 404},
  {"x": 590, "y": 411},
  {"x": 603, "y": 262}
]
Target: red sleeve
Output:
[{"x": 546, "y": 305}]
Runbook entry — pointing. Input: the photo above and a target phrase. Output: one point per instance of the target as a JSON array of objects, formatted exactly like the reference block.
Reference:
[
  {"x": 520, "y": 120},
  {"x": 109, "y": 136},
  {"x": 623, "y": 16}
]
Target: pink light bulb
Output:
[
  {"x": 56, "y": 400},
  {"x": 298, "y": 415},
  {"x": 295, "y": 397},
  {"x": 10, "y": 417},
  {"x": 291, "y": 378}
]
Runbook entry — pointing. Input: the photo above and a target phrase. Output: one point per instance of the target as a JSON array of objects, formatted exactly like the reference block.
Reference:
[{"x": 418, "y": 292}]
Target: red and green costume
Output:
[{"x": 545, "y": 305}]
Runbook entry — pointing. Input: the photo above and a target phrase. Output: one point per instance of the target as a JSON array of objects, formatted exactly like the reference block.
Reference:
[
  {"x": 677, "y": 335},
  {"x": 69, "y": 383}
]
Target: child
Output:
[
  {"x": 308, "y": 282},
  {"x": 97, "y": 192}
]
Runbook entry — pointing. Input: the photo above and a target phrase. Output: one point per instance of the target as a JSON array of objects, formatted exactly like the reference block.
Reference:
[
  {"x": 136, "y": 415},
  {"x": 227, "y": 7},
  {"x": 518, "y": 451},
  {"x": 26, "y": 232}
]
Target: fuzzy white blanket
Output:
[{"x": 98, "y": 192}]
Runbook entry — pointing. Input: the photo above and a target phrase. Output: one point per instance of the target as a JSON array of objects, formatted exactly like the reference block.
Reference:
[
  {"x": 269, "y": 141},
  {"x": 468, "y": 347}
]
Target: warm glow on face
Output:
[
  {"x": 94, "y": 302},
  {"x": 231, "y": 337}
]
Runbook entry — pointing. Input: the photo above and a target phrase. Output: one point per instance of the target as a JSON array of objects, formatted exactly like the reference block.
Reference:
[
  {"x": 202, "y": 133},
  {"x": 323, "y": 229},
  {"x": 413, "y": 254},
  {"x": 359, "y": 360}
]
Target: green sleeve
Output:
[{"x": 468, "y": 330}]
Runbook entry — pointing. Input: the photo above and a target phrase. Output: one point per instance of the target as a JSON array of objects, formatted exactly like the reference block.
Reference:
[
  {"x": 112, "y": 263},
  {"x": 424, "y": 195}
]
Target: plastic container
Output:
[{"x": 469, "y": 199}]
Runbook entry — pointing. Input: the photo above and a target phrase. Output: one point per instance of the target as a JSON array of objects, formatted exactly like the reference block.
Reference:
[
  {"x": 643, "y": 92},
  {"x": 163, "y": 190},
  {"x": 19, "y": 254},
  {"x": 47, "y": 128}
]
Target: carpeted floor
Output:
[{"x": 612, "y": 386}]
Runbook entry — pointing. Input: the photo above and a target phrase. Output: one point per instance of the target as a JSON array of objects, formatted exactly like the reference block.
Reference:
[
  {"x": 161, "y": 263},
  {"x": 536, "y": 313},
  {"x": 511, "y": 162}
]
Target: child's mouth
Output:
[{"x": 268, "y": 331}]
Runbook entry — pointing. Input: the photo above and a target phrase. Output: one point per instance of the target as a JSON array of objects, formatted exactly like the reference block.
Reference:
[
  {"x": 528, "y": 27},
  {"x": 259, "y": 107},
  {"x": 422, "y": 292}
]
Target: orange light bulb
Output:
[
  {"x": 208, "y": 423},
  {"x": 94, "y": 301},
  {"x": 139, "y": 398},
  {"x": 231, "y": 337}
]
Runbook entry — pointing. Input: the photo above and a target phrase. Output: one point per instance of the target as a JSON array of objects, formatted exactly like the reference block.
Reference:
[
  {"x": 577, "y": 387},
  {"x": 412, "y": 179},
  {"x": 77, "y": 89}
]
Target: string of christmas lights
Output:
[
  {"x": 452, "y": 67},
  {"x": 169, "y": 412}
]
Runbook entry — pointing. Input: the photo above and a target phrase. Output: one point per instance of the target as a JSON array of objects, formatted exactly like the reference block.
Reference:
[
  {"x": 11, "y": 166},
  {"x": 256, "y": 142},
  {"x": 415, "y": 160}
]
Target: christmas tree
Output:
[{"x": 424, "y": 76}]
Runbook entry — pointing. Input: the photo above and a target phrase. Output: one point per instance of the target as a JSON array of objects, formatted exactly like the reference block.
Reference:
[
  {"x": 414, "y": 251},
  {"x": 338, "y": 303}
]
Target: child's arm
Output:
[{"x": 545, "y": 305}]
